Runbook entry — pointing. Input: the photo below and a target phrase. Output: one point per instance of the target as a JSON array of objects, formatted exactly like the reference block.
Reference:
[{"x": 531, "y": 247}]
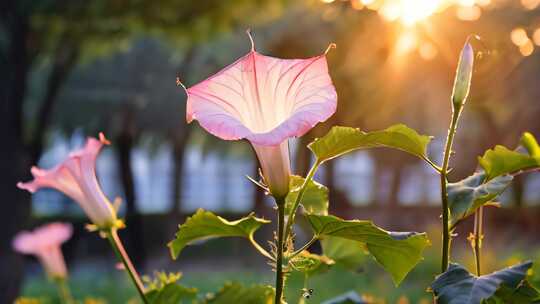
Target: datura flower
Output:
[
  {"x": 76, "y": 178},
  {"x": 45, "y": 243},
  {"x": 265, "y": 100}
]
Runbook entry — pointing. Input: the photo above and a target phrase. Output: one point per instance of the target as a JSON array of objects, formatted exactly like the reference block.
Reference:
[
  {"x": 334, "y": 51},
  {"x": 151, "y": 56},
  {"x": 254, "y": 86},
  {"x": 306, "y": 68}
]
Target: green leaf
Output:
[
  {"x": 467, "y": 195},
  {"x": 501, "y": 160},
  {"x": 341, "y": 140},
  {"x": 350, "y": 297},
  {"x": 164, "y": 289},
  {"x": 396, "y": 252},
  {"x": 350, "y": 254},
  {"x": 204, "y": 225},
  {"x": 314, "y": 200},
  {"x": 311, "y": 264},
  {"x": 236, "y": 293},
  {"x": 524, "y": 294},
  {"x": 458, "y": 286}
]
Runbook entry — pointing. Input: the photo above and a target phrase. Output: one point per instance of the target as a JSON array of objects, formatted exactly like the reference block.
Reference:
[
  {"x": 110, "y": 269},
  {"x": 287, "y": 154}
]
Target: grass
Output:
[{"x": 113, "y": 287}]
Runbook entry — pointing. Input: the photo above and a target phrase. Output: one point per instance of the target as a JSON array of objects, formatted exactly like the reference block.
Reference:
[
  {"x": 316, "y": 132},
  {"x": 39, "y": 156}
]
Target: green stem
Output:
[
  {"x": 309, "y": 177},
  {"x": 478, "y": 236},
  {"x": 64, "y": 292},
  {"x": 305, "y": 247},
  {"x": 116, "y": 244},
  {"x": 260, "y": 248},
  {"x": 446, "y": 237},
  {"x": 280, "y": 244}
]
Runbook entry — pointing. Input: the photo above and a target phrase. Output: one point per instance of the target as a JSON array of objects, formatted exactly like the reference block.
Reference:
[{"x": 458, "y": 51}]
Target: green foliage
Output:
[
  {"x": 341, "y": 140},
  {"x": 458, "y": 286},
  {"x": 311, "y": 264},
  {"x": 467, "y": 195},
  {"x": 348, "y": 298},
  {"x": 525, "y": 293},
  {"x": 501, "y": 160},
  {"x": 236, "y": 293},
  {"x": 397, "y": 252},
  {"x": 314, "y": 200},
  {"x": 351, "y": 254},
  {"x": 164, "y": 289},
  {"x": 204, "y": 224}
]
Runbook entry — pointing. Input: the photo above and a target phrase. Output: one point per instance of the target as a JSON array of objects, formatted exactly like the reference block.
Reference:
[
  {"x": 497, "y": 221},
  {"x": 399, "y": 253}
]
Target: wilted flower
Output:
[
  {"x": 265, "y": 100},
  {"x": 462, "y": 82},
  {"x": 76, "y": 177},
  {"x": 45, "y": 243}
]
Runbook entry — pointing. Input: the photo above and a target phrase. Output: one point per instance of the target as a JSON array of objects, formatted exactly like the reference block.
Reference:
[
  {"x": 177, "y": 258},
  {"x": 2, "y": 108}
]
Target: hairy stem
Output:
[
  {"x": 305, "y": 247},
  {"x": 279, "y": 248},
  {"x": 446, "y": 237},
  {"x": 478, "y": 236},
  {"x": 116, "y": 244},
  {"x": 309, "y": 177},
  {"x": 260, "y": 248}
]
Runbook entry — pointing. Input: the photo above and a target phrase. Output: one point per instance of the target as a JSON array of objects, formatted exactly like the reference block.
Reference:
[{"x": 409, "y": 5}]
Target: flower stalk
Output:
[
  {"x": 280, "y": 248},
  {"x": 477, "y": 239},
  {"x": 446, "y": 237},
  {"x": 118, "y": 247},
  {"x": 63, "y": 291}
]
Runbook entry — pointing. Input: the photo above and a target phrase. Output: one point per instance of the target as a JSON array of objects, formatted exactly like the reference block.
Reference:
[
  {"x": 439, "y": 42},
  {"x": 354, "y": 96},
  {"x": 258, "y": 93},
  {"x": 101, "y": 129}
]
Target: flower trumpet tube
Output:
[
  {"x": 76, "y": 177},
  {"x": 45, "y": 243},
  {"x": 265, "y": 100}
]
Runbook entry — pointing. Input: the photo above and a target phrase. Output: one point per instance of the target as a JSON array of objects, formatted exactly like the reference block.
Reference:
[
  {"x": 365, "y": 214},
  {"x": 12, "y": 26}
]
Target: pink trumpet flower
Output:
[
  {"x": 265, "y": 100},
  {"x": 76, "y": 177},
  {"x": 45, "y": 243}
]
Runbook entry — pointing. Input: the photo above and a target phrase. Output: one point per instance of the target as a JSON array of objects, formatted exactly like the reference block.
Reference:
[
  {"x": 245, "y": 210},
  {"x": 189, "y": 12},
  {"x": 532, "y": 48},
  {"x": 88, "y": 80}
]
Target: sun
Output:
[{"x": 410, "y": 12}]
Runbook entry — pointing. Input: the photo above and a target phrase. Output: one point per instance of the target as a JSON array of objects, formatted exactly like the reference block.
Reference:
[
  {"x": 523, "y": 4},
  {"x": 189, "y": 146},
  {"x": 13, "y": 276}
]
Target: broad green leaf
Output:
[
  {"x": 311, "y": 264},
  {"x": 458, "y": 286},
  {"x": 467, "y": 195},
  {"x": 501, "y": 160},
  {"x": 396, "y": 252},
  {"x": 204, "y": 225},
  {"x": 350, "y": 254},
  {"x": 350, "y": 297},
  {"x": 236, "y": 293},
  {"x": 524, "y": 294},
  {"x": 164, "y": 289},
  {"x": 314, "y": 200},
  {"x": 341, "y": 140}
]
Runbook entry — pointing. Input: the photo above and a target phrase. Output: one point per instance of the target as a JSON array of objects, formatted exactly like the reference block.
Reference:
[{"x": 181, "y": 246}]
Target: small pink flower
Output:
[
  {"x": 265, "y": 100},
  {"x": 76, "y": 177},
  {"x": 45, "y": 243}
]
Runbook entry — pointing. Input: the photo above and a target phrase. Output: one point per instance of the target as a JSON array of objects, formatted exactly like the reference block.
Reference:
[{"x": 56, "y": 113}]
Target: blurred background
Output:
[{"x": 70, "y": 69}]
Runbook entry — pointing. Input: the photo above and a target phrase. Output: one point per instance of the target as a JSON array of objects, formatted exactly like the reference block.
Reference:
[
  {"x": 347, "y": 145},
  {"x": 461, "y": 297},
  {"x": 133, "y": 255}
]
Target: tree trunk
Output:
[
  {"x": 258, "y": 194},
  {"x": 180, "y": 143},
  {"x": 395, "y": 186},
  {"x": 302, "y": 158},
  {"x": 14, "y": 156},
  {"x": 135, "y": 232},
  {"x": 518, "y": 188}
]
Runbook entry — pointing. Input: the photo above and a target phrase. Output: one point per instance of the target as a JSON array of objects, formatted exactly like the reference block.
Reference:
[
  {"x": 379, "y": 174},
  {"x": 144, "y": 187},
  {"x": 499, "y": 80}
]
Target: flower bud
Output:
[{"x": 462, "y": 82}]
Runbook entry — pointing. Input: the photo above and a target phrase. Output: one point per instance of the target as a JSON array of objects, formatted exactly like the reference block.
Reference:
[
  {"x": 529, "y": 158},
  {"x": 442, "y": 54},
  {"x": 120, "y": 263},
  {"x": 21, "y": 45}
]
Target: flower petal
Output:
[
  {"x": 42, "y": 238},
  {"x": 264, "y": 99}
]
